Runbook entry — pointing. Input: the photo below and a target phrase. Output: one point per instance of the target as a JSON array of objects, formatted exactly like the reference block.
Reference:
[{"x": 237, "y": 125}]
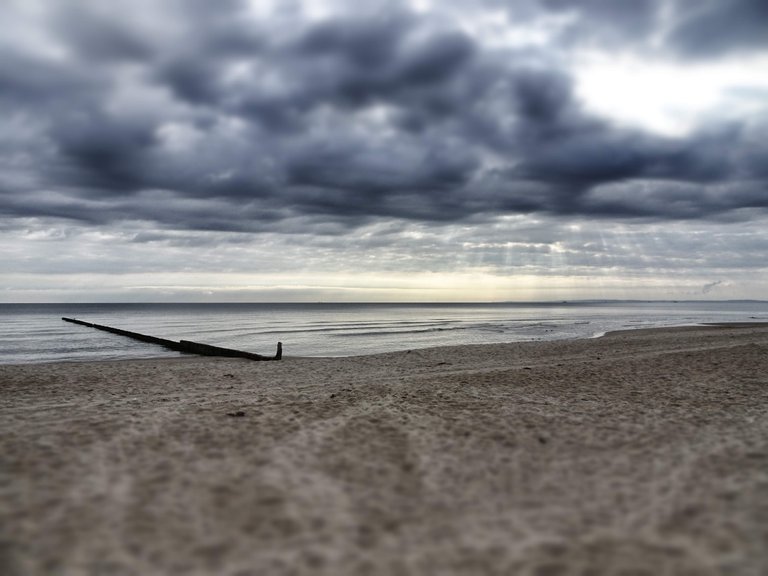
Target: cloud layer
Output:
[
  {"x": 212, "y": 116},
  {"x": 388, "y": 134}
]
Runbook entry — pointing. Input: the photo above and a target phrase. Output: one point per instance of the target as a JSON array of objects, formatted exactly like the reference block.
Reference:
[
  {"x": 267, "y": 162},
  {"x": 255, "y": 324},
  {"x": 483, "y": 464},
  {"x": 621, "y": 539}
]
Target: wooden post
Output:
[{"x": 183, "y": 345}]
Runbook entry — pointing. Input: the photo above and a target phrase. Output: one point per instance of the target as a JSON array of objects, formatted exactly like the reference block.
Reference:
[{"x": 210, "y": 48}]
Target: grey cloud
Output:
[
  {"x": 677, "y": 200},
  {"x": 699, "y": 29},
  {"x": 190, "y": 240},
  {"x": 707, "y": 28},
  {"x": 98, "y": 36},
  {"x": 607, "y": 21},
  {"x": 541, "y": 97},
  {"x": 29, "y": 81},
  {"x": 364, "y": 42},
  {"x": 370, "y": 169},
  {"x": 353, "y": 64},
  {"x": 101, "y": 151},
  {"x": 597, "y": 154},
  {"x": 153, "y": 30},
  {"x": 192, "y": 79},
  {"x": 346, "y": 120}
]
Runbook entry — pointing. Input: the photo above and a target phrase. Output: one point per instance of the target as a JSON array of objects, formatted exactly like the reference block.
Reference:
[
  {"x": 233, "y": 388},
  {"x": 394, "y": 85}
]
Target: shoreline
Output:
[
  {"x": 680, "y": 328},
  {"x": 644, "y": 450}
]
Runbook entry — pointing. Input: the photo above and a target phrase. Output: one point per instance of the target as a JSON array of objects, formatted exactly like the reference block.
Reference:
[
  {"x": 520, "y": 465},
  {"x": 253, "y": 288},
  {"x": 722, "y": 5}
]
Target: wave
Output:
[
  {"x": 34, "y": 333},
  {"x": 344, "y": 327},
  {"x": 425, "y": 330}
]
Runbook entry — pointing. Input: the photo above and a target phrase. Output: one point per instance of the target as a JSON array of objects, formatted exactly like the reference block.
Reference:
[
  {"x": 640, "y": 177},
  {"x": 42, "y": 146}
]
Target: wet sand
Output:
[{"x": 641, "y": 453}]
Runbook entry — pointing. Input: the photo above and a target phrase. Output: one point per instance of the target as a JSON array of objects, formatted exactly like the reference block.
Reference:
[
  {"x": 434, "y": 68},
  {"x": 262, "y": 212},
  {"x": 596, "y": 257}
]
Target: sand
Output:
[{"x": 639, "y": 453}]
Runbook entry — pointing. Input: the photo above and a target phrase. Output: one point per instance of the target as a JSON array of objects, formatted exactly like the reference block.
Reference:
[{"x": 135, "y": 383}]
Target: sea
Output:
[{"x": 33, "y": 333}]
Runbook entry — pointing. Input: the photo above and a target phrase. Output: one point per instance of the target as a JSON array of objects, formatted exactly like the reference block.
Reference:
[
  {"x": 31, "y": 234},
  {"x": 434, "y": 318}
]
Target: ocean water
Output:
[{"x": 36, "y": 333}]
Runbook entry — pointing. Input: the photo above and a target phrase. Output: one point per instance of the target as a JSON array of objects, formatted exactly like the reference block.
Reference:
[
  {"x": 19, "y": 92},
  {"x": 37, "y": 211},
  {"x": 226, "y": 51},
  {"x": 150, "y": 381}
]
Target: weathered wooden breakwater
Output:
[{"x": 182, "y": 345}]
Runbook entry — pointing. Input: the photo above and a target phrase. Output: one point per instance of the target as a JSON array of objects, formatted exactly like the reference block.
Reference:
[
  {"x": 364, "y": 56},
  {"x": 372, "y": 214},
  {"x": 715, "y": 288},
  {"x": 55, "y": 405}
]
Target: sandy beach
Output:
[{"x": 638, "y": 453}]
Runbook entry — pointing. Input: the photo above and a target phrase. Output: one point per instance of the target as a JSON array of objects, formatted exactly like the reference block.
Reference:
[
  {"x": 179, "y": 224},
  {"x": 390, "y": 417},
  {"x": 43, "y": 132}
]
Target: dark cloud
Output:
[
  {"x": 599, "y": 154},
  {"x": 542, "y": 97},
  {"x": 99, "y": 36},
  {"x": 365, "y": 43},
  {"x": 707, "y": 28},
  {"x": 103, "y": 152},
  {"x": 699, "y": 29},
  {"x": 607, "y": 21},
  {"x": 28, "y": 81},
  {"x": 192, "y": 79},
  {"x": 206, "y": 117},
  {"x": 368, "y": 170},
  {"x": 351, "y": 64}
]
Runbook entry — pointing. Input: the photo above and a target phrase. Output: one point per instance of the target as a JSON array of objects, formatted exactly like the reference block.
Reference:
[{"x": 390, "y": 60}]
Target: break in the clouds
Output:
[{"x": 397, "y": 137}]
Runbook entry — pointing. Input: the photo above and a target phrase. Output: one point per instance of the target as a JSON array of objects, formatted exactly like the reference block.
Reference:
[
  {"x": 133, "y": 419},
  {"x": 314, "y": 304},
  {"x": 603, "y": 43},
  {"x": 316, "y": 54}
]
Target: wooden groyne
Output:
[{"x": 182, "y": 345}]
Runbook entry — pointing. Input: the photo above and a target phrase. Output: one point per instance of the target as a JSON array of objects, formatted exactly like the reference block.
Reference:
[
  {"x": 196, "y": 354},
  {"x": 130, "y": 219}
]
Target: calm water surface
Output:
[{"x": 36, "y": 333}]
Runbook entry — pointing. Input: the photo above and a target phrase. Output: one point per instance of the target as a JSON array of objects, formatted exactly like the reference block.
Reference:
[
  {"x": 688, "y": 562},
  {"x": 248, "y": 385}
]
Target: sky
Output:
[{"x": 415, "y": 150}]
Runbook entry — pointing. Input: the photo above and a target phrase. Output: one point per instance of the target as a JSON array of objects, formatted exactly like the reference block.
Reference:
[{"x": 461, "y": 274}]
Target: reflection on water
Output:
[{"x": 35, "y": 332}]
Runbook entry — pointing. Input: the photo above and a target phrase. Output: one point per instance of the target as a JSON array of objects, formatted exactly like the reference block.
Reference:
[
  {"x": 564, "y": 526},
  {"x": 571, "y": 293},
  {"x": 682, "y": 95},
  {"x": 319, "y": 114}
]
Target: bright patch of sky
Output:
[{"x": 671, "y": 98}]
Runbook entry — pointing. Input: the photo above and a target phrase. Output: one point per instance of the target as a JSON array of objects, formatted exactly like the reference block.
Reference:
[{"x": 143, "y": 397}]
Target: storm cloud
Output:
[{"x": 390, "y": 114}]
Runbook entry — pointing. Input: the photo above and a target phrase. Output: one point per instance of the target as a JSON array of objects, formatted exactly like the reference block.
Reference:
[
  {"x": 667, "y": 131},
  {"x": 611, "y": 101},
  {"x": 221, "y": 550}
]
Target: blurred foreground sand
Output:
[{"x": 642, "y": 452}]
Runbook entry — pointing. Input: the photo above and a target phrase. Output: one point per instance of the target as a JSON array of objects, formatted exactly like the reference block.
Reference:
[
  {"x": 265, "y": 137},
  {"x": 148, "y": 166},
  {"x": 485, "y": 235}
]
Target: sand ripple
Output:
[{"x": 642, "y": 453}]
